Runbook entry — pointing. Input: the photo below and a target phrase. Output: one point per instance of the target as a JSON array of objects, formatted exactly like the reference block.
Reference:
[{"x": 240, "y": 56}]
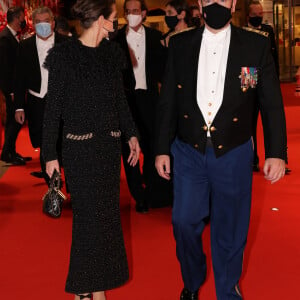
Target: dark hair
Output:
[
  {"x": 142, "y": 2},
  {"x": 14, "y": 12},
  {"x": 88, "y": 11},
  {"x": 180, "y": 6}
]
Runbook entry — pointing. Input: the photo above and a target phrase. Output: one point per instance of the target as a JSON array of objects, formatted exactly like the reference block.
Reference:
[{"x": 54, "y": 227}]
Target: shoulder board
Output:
[
  {"x": 266, "y": 34},
  {"x": 181, "y": 31}
]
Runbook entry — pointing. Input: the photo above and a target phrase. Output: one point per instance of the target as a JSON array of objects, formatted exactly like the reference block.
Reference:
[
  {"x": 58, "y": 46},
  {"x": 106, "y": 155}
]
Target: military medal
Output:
[{"x": 248, "y": 78}]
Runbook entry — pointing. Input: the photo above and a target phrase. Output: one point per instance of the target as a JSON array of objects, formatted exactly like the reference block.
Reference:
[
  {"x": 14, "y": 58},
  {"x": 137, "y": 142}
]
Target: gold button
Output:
[
  {"x": 213, "y": 128},
  {"x": 179, "y": 86},
  {"x": 209, "y": 113},
  {"x": 209, "y": 104},
  {"x": 196, "y": 146},
  {"x": 220, "y": 146},
  {"x": 235, "y": 119},
  {"x": 186, "y": 116},
  {"x": 205, "y": 128},
  {"x": 209, "y": 122}
]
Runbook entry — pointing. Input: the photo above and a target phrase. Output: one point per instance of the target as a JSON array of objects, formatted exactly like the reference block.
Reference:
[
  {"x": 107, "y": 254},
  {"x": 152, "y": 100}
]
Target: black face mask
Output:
[
  {"x": 171, "y": 21},
  {"x": 216, "y": 16},
  {"x": 195, "y": 21},
  {"x": 255, "y": 21},
  {"x": 23, "y": 24}
]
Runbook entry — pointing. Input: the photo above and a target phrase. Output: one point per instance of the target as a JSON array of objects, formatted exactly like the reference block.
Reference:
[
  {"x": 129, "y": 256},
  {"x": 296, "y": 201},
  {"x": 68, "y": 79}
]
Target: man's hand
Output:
[
  {"x": 134, "y": 151},
  {"x": 274, "y": 169},
  {"x": 51, "y": 166},
  {"x": 162, "y": 165},
  {"x": 20, "y": 116}
]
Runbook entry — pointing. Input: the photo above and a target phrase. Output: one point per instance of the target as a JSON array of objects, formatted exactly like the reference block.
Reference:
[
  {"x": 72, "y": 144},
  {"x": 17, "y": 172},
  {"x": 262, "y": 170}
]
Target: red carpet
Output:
[{"x": 34, "y": 249}]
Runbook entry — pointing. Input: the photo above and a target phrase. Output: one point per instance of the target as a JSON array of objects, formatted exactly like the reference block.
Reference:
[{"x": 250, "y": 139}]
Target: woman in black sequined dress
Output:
[{"x": 85, "y": 91}]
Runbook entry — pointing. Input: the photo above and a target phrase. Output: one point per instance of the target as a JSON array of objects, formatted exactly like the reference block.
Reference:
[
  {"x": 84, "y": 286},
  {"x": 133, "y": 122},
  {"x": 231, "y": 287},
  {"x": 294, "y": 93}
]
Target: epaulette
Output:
[
  {"x": 181, "y": 31},
  {"x": 264, "y": 33}
]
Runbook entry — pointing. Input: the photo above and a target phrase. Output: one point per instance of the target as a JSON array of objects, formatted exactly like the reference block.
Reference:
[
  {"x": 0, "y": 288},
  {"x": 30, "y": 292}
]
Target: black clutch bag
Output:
[{"x": 54, "y": 198}]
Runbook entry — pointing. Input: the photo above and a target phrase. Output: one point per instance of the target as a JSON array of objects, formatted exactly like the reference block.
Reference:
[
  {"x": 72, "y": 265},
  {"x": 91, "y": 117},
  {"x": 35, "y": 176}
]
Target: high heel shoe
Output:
[{"x": 87, "y": 296}]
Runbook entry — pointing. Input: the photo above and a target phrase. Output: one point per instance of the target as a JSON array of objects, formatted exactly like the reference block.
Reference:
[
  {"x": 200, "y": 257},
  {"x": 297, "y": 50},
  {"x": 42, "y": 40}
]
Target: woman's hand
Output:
[
  {"x": 134, "y": 151},
  {"x": 51, "y": 166}
]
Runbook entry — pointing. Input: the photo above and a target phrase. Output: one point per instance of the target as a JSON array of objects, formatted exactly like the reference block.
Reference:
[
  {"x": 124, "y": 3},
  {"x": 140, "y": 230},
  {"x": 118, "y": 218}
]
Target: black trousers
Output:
[
  {"x": 35, "y": 115},
  {"x": 157, "y": 191},
  {"x": 12, "y": 129}
]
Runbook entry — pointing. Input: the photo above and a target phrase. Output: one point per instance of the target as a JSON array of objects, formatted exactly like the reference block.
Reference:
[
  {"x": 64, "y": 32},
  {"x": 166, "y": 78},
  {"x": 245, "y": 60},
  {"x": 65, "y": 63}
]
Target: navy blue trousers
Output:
[{"x": 220, "y": 188}]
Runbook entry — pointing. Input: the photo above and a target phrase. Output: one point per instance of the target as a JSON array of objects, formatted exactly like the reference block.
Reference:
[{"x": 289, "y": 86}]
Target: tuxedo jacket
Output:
[
  {"x": 179, "y": 114},
  {"x": 8, "y": 53},
  {"x": 154, "y": 62},
  {"x": 28, "y": 71}
]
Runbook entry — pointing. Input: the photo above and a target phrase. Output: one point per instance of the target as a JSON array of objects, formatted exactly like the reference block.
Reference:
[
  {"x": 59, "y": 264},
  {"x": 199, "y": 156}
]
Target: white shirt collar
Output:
[
  {"x": 216, "y": 37},
  {"x": 48, "y": 42},
  {"x": 138, "y": 33},
  {"x": 14, "y": 33}
]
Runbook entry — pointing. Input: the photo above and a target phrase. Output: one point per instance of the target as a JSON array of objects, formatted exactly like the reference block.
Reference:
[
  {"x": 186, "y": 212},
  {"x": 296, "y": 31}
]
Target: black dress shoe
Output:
[
  {"x": 255, "y": 168},
  {"x": 13, "y": 160},
  {"x": 141, "y": 206},
  {"x": 26, "y": 158},
  {"x": 38, "y": 174},
  {"x": 188, "y": 295}
]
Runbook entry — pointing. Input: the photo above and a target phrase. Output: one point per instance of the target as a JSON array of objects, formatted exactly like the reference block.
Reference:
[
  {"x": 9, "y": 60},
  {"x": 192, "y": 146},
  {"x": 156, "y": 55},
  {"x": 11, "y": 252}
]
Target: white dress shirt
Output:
[
  {"x": 211, "y": 72},
  {"x": 43, "y": 48},
  {"x": 137, "y": 42}
]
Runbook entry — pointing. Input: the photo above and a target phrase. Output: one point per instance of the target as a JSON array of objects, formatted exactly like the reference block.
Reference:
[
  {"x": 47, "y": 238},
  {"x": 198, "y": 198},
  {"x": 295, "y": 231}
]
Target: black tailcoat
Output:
[
  {"x": 28, "y": 71},
  {"x": 8, "y": 52},
  {"x": 28, "y": 77},
  {"x": 178, "y": 111}
]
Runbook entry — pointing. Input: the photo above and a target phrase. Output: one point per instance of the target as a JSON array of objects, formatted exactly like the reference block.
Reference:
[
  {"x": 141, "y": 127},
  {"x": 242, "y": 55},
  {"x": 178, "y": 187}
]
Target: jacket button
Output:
[
  {"x": 186, "y": 116},
  {"x": 196, "y": 146},
  {"x": 179, "y": 86},
  {"x": 213, "y": 128},
  {"x": 205, "y": 128},
  {"x": 220, "y": 147},
  {"x": 235, "y": 119}
]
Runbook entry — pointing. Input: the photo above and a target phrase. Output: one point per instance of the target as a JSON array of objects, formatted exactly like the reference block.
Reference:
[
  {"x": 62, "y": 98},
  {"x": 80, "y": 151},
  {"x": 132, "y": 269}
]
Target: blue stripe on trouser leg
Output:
[{"x": 228, "y": 180}]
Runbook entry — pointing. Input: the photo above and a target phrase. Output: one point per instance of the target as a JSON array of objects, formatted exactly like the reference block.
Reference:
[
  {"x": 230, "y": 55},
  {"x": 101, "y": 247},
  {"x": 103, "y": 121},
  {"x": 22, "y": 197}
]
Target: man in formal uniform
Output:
[
  {"x": 32, "y": 77},
  {"x": 145, "y": 66},
  {"x": 9, "y": 42},
  {"x": 214, "y": 76}
]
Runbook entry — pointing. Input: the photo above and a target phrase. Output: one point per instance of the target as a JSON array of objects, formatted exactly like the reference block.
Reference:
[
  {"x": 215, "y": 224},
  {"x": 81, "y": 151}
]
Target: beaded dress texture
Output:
[{"x": 85, "y": 90}]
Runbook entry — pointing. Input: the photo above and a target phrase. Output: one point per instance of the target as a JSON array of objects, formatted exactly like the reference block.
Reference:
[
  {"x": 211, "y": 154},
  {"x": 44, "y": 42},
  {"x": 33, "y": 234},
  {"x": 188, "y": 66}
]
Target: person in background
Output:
[
  {"x": 254, "y": 20},
  {"x": 177, "y": 19},
  {"x": 62, "y": 26},
  {"x": 86, "y": 91},
  {"x": 9, "y": 42},
  {"x": 32, "y": 78},
  {"x": 196, "y": 19},
  {"x": 145, "y": 67},
  {"x": 215, "y": 75}
]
